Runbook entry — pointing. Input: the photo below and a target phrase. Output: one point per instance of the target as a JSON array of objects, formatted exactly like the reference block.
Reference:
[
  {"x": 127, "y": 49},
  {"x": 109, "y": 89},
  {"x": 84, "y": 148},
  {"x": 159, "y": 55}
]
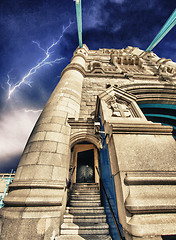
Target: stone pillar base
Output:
[
  {"x": 26, "y": 223},
  {"x": 130, "y": 237}
]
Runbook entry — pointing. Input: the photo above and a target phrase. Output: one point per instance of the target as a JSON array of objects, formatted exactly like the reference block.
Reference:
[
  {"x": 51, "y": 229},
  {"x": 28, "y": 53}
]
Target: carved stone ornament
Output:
[
  {"x": 119, "y": 108},
  {"x": 115, "y": 103}
]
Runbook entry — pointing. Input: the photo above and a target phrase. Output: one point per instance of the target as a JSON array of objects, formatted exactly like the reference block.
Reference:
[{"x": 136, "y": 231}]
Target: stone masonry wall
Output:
[{"x": 92, "y": 87}]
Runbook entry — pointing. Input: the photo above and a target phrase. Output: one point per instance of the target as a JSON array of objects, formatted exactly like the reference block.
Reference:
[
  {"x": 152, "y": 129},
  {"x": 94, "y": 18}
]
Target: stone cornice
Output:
[
  {"x": 151, "y": 179},
  {"x": 74, "y": 66},
  {"x": 81, "y": 123},
  {"x": 140, "y": 128}
]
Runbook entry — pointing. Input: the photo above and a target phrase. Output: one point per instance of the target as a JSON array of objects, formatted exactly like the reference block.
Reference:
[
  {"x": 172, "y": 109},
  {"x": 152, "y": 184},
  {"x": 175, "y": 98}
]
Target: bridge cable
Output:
[
  {"x": 79, "y": 20},
  {"x": 171, "y": 22}
]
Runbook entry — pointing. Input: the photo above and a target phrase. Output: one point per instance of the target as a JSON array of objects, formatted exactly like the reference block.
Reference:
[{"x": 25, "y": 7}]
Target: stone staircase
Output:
[{"x": 85, "y": 217}]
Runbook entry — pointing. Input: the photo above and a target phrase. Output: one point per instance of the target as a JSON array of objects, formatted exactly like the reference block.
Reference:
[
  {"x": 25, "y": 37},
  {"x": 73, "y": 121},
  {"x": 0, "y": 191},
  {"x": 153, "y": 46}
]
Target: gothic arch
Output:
[
  {"x": 163, "y": 93},
  {"x": 82, "y": 136},
  {"x": 157, "y": 101}
]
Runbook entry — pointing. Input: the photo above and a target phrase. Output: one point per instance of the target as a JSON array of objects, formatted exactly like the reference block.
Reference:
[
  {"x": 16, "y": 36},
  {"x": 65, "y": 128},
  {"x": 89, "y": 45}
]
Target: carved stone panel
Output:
[
  {"x": 116, "y": 105},
  {"x": 119, "y": 108}
]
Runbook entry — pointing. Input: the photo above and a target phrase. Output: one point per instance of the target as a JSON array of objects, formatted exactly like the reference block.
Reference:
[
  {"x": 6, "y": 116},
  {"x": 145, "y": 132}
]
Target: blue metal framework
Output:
[
  {"x": 8, "y": 180},
  {"x": 161, "y": 113}
]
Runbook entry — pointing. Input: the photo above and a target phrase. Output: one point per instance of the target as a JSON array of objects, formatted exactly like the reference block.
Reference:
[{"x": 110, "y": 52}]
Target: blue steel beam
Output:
[
  {"x": 159, "y": 115},
  {"x": 157, "y": 105},
  {"x": 79, "y": 20},
  {"x": 165, "y": 29},
  {"x": 162, "y": 113}
]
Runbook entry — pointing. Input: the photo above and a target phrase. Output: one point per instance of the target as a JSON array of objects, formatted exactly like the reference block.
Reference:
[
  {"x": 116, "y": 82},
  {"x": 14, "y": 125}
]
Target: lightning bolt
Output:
[{"x": 45, "y": 61}]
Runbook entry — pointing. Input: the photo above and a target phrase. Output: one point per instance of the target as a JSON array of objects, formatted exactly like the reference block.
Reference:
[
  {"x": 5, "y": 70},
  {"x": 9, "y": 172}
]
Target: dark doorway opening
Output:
[
  {"x": 85, "y": 167},
  {"x": 169, "y": 237}
]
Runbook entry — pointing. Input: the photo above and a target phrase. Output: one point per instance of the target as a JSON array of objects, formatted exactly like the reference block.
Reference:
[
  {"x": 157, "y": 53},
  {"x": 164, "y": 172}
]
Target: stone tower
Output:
[{"x": 96, "y": 106}]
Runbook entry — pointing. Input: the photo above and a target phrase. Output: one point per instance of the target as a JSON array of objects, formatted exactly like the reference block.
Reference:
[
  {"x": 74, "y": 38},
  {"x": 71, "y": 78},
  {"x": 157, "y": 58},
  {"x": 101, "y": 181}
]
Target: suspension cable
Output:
[
  {"x": 79, "y": 20},
  {"x": 165, "y": 29}
]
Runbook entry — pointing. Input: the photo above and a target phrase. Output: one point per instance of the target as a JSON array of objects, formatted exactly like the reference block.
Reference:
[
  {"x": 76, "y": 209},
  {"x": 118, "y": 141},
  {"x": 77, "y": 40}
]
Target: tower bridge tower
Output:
[{"x": 93, "y": 121}]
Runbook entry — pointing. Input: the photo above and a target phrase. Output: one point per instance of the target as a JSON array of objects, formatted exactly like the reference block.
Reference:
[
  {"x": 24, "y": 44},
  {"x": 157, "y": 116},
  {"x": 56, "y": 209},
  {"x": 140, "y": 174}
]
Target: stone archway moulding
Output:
[
  {"x": 84, "y": 136},
  {"x": 151, "y": 92}
]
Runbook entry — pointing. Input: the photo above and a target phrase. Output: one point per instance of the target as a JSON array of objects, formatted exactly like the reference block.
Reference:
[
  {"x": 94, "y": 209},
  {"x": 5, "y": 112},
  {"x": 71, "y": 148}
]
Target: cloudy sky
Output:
[{"x": 33, "y": 30}]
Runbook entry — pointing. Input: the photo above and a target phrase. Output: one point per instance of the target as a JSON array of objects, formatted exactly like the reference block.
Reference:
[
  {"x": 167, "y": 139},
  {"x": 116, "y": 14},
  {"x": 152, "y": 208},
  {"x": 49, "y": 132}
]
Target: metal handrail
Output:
[
  {"x": 110, "y": 207},
  {"x": 69, "y": 185},
  {"x": 73, "y": 170}
]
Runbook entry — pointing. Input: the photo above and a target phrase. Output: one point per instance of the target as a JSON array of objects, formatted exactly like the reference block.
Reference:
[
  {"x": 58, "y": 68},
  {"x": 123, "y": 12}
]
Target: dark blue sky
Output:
[{"x": 28, "y": 27}]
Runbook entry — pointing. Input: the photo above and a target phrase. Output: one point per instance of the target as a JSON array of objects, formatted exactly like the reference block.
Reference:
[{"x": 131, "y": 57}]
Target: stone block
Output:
[
  {"x": 58, "y": 120},
  {"x": 54, "y": 136},
  {"x": 18, "y": 173},
  {"x": 75, "y": 106},
  {"x": 62, "y": 148},
  {"x": 27, "y": 148},
  {"x": 43, "y": 172},
  {"x": 29, "y": 158},
  {"x": 36, "y": 146},
  {"x": 38, "y": 228},
  {"x": 49, "y": 146},
  {"x": 44, "y": 120},
  {"x": 22, "y": 160},
  {"x": 51, "y": 127},
  {"x": 65, "y": 130},
  {"x": 54, "y": 159},
  {"x": 45, "y": 158},
  {"x": 72, "y": 114},
  {"x": 145, "y": 152},
  {"x": 38, "y": 136},
  {"x": 27, "y": 172},
  {"x": 59, "y": 173}
]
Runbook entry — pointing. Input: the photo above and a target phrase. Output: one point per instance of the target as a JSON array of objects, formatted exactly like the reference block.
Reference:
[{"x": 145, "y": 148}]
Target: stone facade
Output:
[{"x": 106, "y": 83}]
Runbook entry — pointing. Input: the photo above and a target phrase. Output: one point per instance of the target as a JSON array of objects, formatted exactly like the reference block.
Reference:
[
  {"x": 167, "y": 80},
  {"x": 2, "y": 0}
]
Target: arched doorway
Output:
[
  {"x": 85, "y": 167},
  {"x": 84, "y": 163}
]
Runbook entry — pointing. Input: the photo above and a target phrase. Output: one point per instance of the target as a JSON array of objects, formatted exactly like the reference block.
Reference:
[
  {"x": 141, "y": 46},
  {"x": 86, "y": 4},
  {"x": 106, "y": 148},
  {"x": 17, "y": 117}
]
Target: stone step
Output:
[
  {"x": 85, "y": 217},
  {"x": 96, "y": 237},
  {"x": 96, "y": 190},
  {"x": 85, "y": 184},
  {"x": 85, "y": 198},
  {"x": 70, "y": 237},
  {"x": 91, "y": 187},
  {"x": 84, "y": 228},
  {"x": 77, "y": 193},
  {"x": 98, "y": 218},
  {"x": 85, "y": 210},
  {"x": 83, "y": 237},
  {"x": 84, "y": 192},
  {"x": 77, "y": 203}
]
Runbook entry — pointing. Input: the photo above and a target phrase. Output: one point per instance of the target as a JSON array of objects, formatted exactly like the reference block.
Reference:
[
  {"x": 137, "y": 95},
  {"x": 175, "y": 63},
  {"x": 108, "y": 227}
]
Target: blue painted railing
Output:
[
  {"x": 108, "y": 184},
  {"x": 8, "y": 180}
]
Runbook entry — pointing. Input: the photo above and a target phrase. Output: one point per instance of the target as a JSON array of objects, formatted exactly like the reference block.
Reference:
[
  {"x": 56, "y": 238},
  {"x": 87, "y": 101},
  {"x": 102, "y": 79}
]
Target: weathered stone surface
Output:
[
  {"x": 45, "y": 162},
  {"x": 142, "y": 154}
]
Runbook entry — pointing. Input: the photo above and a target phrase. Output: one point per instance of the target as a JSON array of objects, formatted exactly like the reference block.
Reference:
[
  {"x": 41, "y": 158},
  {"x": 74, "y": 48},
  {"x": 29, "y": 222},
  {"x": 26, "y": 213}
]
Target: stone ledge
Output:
[
  {"x": 155, "y": 208},
  {"x": 148, "y": 128},
  {"x": 38, "y": 184},
  {"x": 147, "y": 180},
  {"x": 152, "y": 225}
]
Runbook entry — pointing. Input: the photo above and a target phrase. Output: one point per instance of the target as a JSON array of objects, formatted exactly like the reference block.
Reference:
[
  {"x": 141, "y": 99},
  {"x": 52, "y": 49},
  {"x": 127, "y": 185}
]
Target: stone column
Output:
[{"x": 36, "y": 202}]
